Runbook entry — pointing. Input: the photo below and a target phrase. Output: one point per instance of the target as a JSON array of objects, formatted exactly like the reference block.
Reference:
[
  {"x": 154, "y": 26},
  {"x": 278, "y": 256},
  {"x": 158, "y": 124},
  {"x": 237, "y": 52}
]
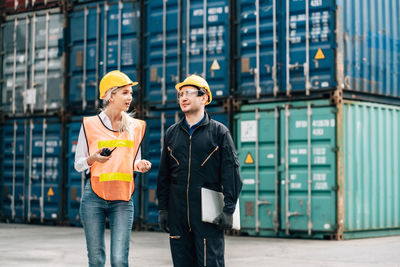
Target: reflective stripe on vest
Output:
[{"x": 113, "y": 180}]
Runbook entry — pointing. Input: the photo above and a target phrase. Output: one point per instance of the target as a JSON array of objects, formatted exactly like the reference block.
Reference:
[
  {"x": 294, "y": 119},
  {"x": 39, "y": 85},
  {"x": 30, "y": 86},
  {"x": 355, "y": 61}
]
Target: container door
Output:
[
  {"x": 163, "y": 51},
  {"x": 258, "y": 47},
  {"x": 308, "y": 48},
  {"x": 13, "y": 170},
  {"x": 15, "y": 68},
  {"x": 84, "y": 32},
  {"x": 206, "y": 51},
  {"x": 44, "y": 176},
  {"x": 75, "y": 180},
  {"x": 308, "y": 178},
  {"x": 257, "y": 147}
]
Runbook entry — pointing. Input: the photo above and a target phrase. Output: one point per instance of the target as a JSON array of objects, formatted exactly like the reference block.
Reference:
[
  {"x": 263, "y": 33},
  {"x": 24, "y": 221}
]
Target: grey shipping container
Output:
[
  {"x": 311, "y": 169},
  {"x": 33, "y": 67}
]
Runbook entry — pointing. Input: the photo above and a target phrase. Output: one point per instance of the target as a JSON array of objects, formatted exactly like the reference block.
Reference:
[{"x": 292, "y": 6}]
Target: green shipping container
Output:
[{"x": 315, "y": 170}]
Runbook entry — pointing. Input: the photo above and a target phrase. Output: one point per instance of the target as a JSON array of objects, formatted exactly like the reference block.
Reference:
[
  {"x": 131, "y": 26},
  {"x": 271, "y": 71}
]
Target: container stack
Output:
[
  {"x": 180, "y": 41},
  {"x": 316, "y": 131},
  {"x": 102, "y": 36},
  {"x": 309, "y": 88},
  {"x": 31, "y": 103}
]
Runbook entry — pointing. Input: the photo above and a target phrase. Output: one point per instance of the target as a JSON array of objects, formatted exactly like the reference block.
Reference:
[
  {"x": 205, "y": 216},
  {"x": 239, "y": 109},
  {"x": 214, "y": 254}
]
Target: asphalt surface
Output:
[{"x": 35, "y": 245}]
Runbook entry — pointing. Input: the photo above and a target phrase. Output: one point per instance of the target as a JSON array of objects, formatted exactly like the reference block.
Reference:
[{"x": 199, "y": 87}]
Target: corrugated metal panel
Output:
[
  {"x": 371, "y": 37},
  {"x": 76, "y": 181},
  {"x": 371, "y": 157},
  {"x": 16, "y": 6},
  {"x": 305, "y": 136},
  {"x": 157, "y": 124},
  {"x": 103, "y": 37},
  {"x": 353, "y": 44},
  {"x": 32, "y": 178},
  {"x": 178, "y": 45},
  {"x": 32, "y": 62}
]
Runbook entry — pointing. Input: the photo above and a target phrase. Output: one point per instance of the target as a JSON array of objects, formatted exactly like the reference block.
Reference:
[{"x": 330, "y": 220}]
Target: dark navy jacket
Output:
[{"x": 207, "y": 158}]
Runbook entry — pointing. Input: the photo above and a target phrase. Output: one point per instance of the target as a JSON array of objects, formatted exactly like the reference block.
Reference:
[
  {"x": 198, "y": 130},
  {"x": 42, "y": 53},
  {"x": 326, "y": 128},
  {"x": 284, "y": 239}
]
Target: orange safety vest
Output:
[{"x": 113, "y": 180}]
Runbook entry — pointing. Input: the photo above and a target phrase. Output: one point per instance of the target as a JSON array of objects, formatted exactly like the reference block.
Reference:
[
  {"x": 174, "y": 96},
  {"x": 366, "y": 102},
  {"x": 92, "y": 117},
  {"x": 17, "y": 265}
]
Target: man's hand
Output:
[
  {"x": 224, "y": 221},
  {"x": 163, "y": 220}
]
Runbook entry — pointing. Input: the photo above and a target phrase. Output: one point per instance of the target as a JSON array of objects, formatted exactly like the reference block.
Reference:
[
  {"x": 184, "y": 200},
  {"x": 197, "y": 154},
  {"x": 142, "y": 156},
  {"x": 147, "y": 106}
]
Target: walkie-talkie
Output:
[{"x": 106, "y": 152}]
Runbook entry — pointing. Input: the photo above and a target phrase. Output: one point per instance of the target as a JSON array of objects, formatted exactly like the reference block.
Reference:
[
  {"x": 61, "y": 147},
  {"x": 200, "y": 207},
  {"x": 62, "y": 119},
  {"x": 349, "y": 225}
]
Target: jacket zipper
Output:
[
  {"x": 170, "y": 152},
  {"x": 209, "y": 156},
  {"x": 187, "y": 188},
  {"x": 205, "y": 252}
]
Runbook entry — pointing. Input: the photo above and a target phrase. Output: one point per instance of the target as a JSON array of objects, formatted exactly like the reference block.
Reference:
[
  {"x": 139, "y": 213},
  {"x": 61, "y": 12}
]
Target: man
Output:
[{"x": 197, "y": 152}]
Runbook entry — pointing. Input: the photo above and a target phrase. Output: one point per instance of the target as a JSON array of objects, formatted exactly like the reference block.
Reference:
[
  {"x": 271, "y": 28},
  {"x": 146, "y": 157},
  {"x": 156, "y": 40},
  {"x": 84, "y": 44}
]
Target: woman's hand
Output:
[
  {"x": 143, "y": 166},
  {"x": 97, "y": 157}
]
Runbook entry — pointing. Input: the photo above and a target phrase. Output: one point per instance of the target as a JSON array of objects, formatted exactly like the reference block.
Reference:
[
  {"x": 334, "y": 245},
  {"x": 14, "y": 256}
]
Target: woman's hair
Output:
[{"x": 126, "y": 117}]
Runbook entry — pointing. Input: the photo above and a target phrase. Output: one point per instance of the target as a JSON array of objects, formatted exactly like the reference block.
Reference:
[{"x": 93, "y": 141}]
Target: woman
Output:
[{"x": 109, "y": 145}]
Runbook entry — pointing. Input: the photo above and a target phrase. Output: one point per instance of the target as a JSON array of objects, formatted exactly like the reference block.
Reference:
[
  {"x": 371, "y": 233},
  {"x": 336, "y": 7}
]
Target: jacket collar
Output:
[{"x": 204, "y": 122}]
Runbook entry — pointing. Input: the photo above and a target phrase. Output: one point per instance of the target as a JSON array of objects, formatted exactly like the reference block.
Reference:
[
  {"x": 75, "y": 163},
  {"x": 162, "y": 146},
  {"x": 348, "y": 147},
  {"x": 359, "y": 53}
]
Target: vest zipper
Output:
[
  {"x": 170, "y": 153},
  {"x": 209, "y": 156},
  {"x": 205, "y": 252}
]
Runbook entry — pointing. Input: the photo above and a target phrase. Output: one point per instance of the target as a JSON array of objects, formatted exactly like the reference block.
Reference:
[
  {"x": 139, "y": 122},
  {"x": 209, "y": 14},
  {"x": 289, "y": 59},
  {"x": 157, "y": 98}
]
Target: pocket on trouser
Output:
[
  {"x": 210, "y": 252},
  {"x": 182, "y": 251}
]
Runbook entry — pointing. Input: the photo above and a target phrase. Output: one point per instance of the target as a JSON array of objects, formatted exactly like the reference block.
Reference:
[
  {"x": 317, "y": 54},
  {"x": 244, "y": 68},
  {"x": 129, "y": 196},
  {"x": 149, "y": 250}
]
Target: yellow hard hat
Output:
[
  {"x": 197, "y": 81},
  {"x": 113, "y": 79}
]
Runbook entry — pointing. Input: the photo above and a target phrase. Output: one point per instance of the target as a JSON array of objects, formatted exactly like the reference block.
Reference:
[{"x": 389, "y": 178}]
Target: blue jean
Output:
[{"x": 93, "y": 212}]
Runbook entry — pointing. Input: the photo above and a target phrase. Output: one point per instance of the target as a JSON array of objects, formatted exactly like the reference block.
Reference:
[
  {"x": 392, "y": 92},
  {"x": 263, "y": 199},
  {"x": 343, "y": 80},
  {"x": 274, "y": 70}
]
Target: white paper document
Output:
[{"x": 212, "y": 203}]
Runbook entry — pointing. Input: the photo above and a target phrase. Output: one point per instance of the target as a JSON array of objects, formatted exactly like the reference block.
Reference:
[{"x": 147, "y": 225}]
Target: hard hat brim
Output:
[
  {"x": 131, "y": 84},
  {"x": 182, "y": 84}
]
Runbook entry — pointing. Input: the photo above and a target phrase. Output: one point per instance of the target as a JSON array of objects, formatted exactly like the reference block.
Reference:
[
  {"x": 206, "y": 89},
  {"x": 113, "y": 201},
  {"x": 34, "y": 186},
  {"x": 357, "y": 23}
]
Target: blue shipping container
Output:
[
  {"x": 33, "y": 47},
  {"x": 76, "y": 181},
  {"x": 157, "y": 124},
  {"x": 31, "y": 173},
  {"x": 309, "y": 46},
  {"x": 178, "y": 45},
  {"x": 103, "y": 37}
]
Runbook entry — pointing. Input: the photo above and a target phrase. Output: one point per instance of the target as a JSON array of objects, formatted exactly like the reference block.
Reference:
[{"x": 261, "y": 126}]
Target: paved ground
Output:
[{"x": 33, "y": 245}]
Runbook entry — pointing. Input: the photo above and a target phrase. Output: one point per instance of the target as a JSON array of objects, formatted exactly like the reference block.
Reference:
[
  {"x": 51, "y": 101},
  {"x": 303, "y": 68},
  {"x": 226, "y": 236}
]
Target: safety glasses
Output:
[{"x": 190, "y": 93}]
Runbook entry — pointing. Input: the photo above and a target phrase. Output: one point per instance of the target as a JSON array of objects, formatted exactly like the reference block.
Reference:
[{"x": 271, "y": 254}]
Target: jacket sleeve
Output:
[
  {"x": 230, "y": 177},
  {"x": 163, "y": 180}
]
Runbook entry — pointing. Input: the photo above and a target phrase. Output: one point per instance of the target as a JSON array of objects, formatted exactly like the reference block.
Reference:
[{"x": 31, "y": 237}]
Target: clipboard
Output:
[{"x": 212, "y": 203}]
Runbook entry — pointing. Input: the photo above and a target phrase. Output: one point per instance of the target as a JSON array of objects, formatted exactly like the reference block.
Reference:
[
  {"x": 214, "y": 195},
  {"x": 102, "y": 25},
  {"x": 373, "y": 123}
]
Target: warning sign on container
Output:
[
  {"x": 215, "y": 65},
  {"x": 249, "y": 159},
  {"x": 50, "y": 193},
  {"x": 319, "y": 54},
  {"x": 248, "y": 131}
]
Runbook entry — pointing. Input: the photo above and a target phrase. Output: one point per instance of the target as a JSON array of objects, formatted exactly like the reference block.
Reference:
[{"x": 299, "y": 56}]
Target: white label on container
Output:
[
  {"x": 327, "y": 226},
  {"x": 294, "y": 160},
  {"x": 219, "y": 92},
  {"x": 324, "y": 84},
  {"x": 318, "y": 132},
  {"x": 248, "y": 131},
  {"x": 293, "y": 151},
  {"x": 315, "y": 3},
  {"x": 321, "y": 123},
  {"x": 319, "y": 151},
  {"x": 321, "y": 186},
  {"x": 320, "y": 160},
  {"x": 249, "y": 181},
  {"x": 30, "y": 96},
  {"x": 332, "y": 123},
  {"x": 293, "y": 176},
  {"x": 295, "y": 185},
  {"x": 319, "y": 177},
  {"x": 302, "y": 151},
  {"x": 301, "y": 124},
  {"x": 270, "y": 156}
]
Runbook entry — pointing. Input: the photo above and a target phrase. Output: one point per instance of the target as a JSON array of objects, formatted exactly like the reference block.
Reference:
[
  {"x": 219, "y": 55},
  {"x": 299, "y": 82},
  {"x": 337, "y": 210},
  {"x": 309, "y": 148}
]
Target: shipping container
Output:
[
  {"x": 33, "y": 67},
  {"x": 312, "y": 169},
  {"x": 103, "y": 36},
  {"x": 31, "y": 176},
  {"x": 76, "y": 181},
  {"x": 185, "y": 37},
  {"x": 298, "y": 46},
  {"x": 18, "y": 6},
  {"x": 158, "y": 121}
]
